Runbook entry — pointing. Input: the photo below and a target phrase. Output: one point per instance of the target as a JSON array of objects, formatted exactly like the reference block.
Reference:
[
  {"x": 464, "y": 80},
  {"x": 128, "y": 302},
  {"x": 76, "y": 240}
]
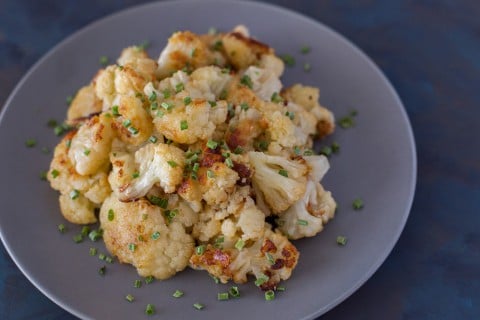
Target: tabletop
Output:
[{"x": 430, "y": 51}]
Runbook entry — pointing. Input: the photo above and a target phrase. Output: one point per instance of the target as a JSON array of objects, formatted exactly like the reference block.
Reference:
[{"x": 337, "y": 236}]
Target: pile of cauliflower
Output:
[{"x": 199, "y": 159}]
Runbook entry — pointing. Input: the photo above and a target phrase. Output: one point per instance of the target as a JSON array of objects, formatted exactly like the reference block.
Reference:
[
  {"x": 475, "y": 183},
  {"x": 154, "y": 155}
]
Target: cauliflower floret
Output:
[
  {"x": 251, "y": 221},
  {"x": 157, "y": 163},
  {"x": 185, "y": 50},
  {"x": 307, "y": 216},
  {"x": 138, "y": 233},
  {"x": 190, "y": 123},
  {"x": 305, "y": 121},
  {"x": 318, "y": 166},
  {"x": 281, "y": 181},
  {"x": 207, "y": 83},
  {"x": 138, "y": 60},
  {"x": 89, "y": 190},
  {"x": 271, "y": 258},
  {"x": 263, "y": 82},
  {"x": 84, "y": 105},
  {"x": 243, "y": 51},
  {"x": 91, "y": 145},
  {"x": 273, "y": 64},
  {"x": 207, "y": 226},
  {"x": 244, "y": 128},
  {"x": 77, "y": 208},
  {"x": 132, "y": 122},
  {"x": 307, "y": 97},
  {"x": 190, "y": 191},
  {"x": 216, "y": 183}
]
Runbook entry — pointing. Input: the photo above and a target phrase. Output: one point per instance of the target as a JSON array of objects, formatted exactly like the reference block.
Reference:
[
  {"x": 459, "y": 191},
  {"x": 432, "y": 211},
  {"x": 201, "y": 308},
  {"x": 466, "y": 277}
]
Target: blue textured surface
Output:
[{"x": 430, "y": 51}]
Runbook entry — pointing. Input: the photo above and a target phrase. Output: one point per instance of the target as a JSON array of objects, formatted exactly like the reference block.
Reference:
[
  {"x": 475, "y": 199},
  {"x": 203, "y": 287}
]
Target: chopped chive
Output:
[
  {"x": 95, "y": 235},
  {"x": 244, "y": 106},
  {"x": 178, "y": 294},
  {"x": 132, "y": 247},
  {"x": 269, "y": 295},
  {"x": 215, "y": 279},
  {"x": 198, "y": 306},
  {"x": 183, "y": 125},
  {"x": 153, "y": 139},
  {"x": 129, "y": 298},
  {"x": 93, "y": 251},
  {"x": 102, "y": 270},
  {"x": 288, "y": 59},
  {"x": 276, "y": 98},
  {"x": 78, "y": 238},
  {"x": 246, "y": 81},
  {"x": 161, "y": 202},
  {"x": 262, "y": 145},
  {"x": 270, "y": 258},
  {"x": 133, "y": 130},
  {"x": 170, "y": 214},
  {"x": 143, "y": 46},
  {"x": 115, "y": 111},
  {"x": 102, "y": 256},
  {"x": 69, "y": 100},
  {"x": 212, "y": 103},
  {"x": 283, "y": 172},
  {"x": 127, "y": 123},
  {"x": 234, "y": 292},
  {"x": 326, "y": 151},
  {"x": 238, "y": 150},
  {"x": 172, "y": 163},
  {"x": 137, "y": 283},
  {"x": 187, "y": 100},
  {"x": 212, "y": 31},
  {"x": 301, "y": 222},
  {"x": 62, "y": 228},
  {"x": 296, "y": 150},
  {"x": 199, "y": 250},
  {"x": 86, "y": 152},
  {"x": 155, "y": 235},
  {"x": 45, "y": 150},
  {"x": 52, "y": 123},
  {"x": 308, "y": 152},
  {"x": 290, "y": 114},
  {"x": 166, "y": 94},
  {"x": 153, "y": 96},
  {"x": 217, "y": 45},
  {"x": 223, "y": 94},
  {"x": 149, "y": 279},
  {"x": 221, "y": 296},
  {"x": 30, "y": 143},
  {"x": 111, "y": 215},
  {"x": 74, "y": 194},
  {"x": 135, "y": 175},
  {"x": 346, "y": 122},
  {"x": 85, "y": 230},
  {"x": 335, "y": 147},
  {"x": 144, "y": 216},
  {"x": 55, "y": 173},
  {"x": 210, "y": 174},
  {"x": 160, "y": 113},
  {"x": 195, "y": 167},
  {"x": 167, "y": 105},
  {"x": 239, "y": 244},
  {"x": 212, "y": 144},
  {"x": 109, "y": 259},
  {"x": 305, "y": 49},
  {"x": 68, "y": 143},
  {"x": 140, "y": 238},
  {"x": 43, "y": 175},
  {"x": 229, "y": 162},
  {"x": 307, "y": 67},
  {"x": 150, "y": 309},
  {"x": 261, "y": 280},
  {"x": 103, "y": 60},
  {"x": 357, "y": 204},
  {"x": 280, "y": 288},
  {"x": 179, "y": 87},
  {"x": 341, "y": 240}
]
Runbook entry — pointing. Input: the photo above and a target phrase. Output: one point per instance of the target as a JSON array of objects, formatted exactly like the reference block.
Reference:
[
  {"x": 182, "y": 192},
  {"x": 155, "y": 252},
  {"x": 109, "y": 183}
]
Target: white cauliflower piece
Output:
[
  {"x": 137, "y": 233},
  {"x": 157, "y": 163},
  {"x": 137, "y": 59},
  {"x": 85, "y": 104},
  {"x": 207, "y": 226},
  {"x": 251, "y": 221},
  {"x": 273, "y": 64},
  {"x": 188, "y": 124},
  {"x": 221, "y": 183},
  {"x": 318, "y": 166},
  {"x": 307, "y": 216},
  {"x": 263, "y": 82},
  {"x": 91, "y": 145},
  {"x": 89, "y": 190},
  {"x": 207, "y": 83},
  {"x": 281, "y": 181}
]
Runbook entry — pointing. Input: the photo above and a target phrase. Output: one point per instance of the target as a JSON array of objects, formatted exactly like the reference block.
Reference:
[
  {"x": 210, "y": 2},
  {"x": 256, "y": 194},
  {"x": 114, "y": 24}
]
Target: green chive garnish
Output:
[
  {"x": 212, "y": 144},
  {"x": 85, "y": 230},
  {"x": 326, "y": 151},
  {"x": 167, "y": 105},
  {"x": 261, "y": 280},
  {"x": 93, "y": 251},
  {"x": 61, "y": 228},
  {"x": 357, "y": 204},
  {"x": 210, "y": 174},
  {"x": 212, "y": 103},
  {"x": 283, "y": 172},
  {"x": 234, "y": 292},
  {"x": 246, "y": 81},
  {"x": 135, "y": 175},
  {"x": 111, "y": 215},
  {"x": 305, "y": 49},
  {"x": 30, "y": 143},
  {"x": 78, "y": 238},
  {"x": 187, "y": 100},
  {"x": 229, "y": 162},
  {"x": 127, "y": 123},
  {"x": 153, "y": 139},
  {"x": 179, "y": 87},
  {"x": 132, "y": 247},
  {"x": 137, "y": 283},
  {"x": 198, "y": 306},
  {"x": 129, "y": 298},
  {"x": 155, "y": 235},
  {"x": 103, "y": 60},
  {"x": 301, "y": 222},
  {"x": 341, "y": 240},
  {"x": 178, "y": 294},
  {"x": 239, "y": 244},
  {"x": 102, "y": 256},
  {"x": 183, "y": 125},
  {"x": 115, "y": 111},
  {"x": 223, "y": 296},
  {"x": 161, "y": 202},
  {"x": 172, "y": 163},
  {"x": 199, "y": 250},
  {"x": 269, "y": 295},
  {"x": 288, "y": 59},
  {"x": 150, "y": 309},
  {"x": 95, "y": 235},
  {"x": 276, "y": 98},
  {"x": 244, "y": 106},
  {"x": 149, "y": 279},
  {"x": 307, "y": 67},
  {"x": 102, "y": 270},
  {"x": 74, "y": 194}
]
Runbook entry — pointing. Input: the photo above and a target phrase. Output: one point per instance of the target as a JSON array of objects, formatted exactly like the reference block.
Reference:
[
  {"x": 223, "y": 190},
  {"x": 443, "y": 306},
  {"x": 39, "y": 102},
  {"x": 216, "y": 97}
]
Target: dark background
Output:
[{"x": 430, "y": 51}]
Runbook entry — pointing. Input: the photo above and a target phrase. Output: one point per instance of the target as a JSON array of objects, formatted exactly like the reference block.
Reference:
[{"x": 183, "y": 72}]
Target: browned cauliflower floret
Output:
[
  {"x": 270, "y": 259},
  {"x": 185, "y": 50},
  {"x": 138, "y": 233},
  {"x": 138, "y": 60},
  {"x": 217, "y": 182},
  {"x": 243, "y": 51},
  {"x": 307, "y": 97},
  {"x": 91, "y": 145},
  {"x": 159, "y": 163},
  {"x": 89, "y": 190},
  {"x": 281, "y": 181},
  {"x": 85, "y": 104}
]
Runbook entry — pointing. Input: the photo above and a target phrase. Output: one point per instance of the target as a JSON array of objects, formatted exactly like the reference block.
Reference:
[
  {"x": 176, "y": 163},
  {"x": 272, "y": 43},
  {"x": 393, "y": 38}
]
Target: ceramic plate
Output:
[{"x": 376, "y": 162}]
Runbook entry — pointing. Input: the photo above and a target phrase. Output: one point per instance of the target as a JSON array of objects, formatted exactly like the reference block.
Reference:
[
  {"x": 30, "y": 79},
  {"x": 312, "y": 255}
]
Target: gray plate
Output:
[{"x": 377, "y": 163}]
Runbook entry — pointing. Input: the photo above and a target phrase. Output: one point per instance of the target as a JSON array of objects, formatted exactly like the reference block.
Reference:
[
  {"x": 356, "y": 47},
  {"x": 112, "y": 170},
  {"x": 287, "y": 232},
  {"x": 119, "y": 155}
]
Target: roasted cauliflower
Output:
[{"x": 197, "y": 158}]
